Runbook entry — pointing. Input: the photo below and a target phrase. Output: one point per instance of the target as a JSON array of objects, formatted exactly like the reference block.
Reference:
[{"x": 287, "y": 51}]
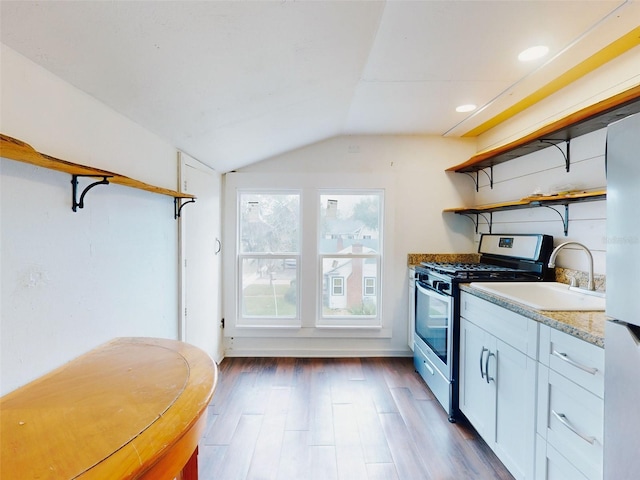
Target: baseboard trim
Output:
[{"x": 320, "y": 353}]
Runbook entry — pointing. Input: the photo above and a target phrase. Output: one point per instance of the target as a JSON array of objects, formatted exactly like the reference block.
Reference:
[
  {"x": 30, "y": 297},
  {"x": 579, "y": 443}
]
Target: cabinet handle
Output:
[
  {"x": 481, "y": 357},
  {"x": 486, "y": 366},
  {"x": 563, "y": 419},
  {"x": 564, "y": 357}
]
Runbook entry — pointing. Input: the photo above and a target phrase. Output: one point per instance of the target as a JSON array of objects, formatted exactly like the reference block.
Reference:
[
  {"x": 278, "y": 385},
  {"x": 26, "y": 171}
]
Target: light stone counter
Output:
[{"x": 588, "y": 326}]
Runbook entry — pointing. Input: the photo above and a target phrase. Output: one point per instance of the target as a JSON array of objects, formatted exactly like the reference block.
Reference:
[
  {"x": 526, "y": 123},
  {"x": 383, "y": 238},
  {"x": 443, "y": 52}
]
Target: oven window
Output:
[{"x": 432, "y": 321}]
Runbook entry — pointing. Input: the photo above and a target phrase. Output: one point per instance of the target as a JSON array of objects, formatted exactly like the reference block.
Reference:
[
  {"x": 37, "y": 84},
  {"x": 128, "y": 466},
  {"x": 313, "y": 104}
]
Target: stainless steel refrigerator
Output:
[{"x": 622, "y": 330}]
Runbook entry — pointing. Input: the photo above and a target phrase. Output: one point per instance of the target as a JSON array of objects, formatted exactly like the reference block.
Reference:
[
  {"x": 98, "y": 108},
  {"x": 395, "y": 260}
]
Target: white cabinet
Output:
[
  {"x": 570, "y": 407},
  {"x": 498, "y": 350},
  {"x": 477, "y": 397},
  {"x": 411, "y": 307}
]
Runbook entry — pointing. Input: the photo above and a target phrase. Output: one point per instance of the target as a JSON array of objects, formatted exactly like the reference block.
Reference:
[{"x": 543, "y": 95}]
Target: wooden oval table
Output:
[{"x": 133, "y": 408}]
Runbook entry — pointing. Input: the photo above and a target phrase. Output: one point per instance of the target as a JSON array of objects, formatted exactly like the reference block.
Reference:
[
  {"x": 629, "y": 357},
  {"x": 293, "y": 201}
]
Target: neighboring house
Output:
[{"x": 349, "y": 284}]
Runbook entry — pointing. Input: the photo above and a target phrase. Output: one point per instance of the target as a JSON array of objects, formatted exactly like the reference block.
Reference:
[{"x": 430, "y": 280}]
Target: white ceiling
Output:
[{"x": 235, "y": 82}]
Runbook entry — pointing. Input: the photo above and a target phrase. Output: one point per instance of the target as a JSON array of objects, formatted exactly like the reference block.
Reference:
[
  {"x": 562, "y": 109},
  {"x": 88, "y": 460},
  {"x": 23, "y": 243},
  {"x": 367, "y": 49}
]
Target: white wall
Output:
[
  {"x": 71, "y": 281},
  {"x": 415, "y": 167}
]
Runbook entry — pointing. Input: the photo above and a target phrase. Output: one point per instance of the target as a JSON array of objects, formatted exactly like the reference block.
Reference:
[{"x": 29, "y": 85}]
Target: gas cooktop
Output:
[
  {"x": 472, "y": 271},
  {"x": 502, "y": 257},
  {"x": 454, "y": 268}
]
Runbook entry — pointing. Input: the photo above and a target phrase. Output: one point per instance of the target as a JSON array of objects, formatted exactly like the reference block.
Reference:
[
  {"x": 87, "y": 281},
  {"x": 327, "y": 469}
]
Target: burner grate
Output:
[{"x": 474, "y": 271}]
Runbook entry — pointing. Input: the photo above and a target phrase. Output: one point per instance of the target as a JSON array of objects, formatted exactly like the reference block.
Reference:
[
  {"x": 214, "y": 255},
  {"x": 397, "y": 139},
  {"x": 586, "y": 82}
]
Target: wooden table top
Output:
[{"x": 113, "y": 413}]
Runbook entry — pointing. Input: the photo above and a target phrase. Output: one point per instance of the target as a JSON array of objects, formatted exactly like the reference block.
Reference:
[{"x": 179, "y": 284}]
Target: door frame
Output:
[{"x": 185, "y": 161}]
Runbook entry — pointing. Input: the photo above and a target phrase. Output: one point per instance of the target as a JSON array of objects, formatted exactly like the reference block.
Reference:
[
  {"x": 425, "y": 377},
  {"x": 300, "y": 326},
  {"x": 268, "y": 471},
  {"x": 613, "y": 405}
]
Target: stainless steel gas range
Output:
[{"x": 503, "y": 257}]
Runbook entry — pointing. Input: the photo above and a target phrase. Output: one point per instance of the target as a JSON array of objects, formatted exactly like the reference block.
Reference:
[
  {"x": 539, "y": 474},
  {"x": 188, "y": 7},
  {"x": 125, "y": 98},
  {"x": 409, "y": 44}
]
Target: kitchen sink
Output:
[{"x": 545, "y": 295}]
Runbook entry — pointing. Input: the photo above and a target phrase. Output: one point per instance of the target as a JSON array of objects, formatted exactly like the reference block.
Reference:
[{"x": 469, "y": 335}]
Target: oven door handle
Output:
[{"x": 427, "y": 290}]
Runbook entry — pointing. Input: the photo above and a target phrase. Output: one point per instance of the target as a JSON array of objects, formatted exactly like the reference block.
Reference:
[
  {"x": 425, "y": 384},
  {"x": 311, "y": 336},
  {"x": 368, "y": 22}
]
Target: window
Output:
[
  {"x": 304, "y": 258},
  {"x": 370, "y": 286},
  {"x": 349, "y": 248},
  {"x": 337, "y": 286},
  {"x": 269, "y": 254}
]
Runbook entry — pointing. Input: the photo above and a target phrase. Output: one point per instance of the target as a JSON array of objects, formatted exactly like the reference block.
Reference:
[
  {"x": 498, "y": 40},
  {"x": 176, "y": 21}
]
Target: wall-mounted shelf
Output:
[
  {"x": 486, "y": 211},
  {"x": 586, "y": 120},
  {"x": 20, "y": 151}
]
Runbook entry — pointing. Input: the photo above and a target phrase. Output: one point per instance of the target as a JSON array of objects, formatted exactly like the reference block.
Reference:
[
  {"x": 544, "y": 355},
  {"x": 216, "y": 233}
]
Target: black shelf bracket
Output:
[
  {"x": 476, "y": 220},
  {"x": 564, "y": 218},
  {"x": 74, "y": 183},
  {"x": 476, "y": 180},
  {"x": 178, "y": 206},
  {"x": 566, "y": 155}
]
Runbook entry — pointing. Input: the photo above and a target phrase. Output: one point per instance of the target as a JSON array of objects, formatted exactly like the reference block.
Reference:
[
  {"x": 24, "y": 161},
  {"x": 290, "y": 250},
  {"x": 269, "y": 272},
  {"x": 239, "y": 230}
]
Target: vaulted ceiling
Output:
[{"x": 235, "y": 82}]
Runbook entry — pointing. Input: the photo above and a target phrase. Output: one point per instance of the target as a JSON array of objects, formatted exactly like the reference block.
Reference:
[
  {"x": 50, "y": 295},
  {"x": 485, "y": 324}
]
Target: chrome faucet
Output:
[{"x": 554, "y": 254}]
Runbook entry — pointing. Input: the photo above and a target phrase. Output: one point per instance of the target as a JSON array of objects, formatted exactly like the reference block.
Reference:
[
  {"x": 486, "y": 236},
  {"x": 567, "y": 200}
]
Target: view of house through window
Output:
[
  {"x": 349, "y": 248},
  {"x": 345, "y": 273},
  {"x": 269, "y": 252}
]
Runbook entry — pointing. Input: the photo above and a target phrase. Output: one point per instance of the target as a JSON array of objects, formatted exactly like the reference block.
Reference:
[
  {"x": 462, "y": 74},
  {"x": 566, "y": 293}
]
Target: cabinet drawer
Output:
[
  {"x": 579, "y": 361},
  {"x": 550, "y": 465},
  {"x": 514, "y": 329},
  {"x": 571, "y": 418}
]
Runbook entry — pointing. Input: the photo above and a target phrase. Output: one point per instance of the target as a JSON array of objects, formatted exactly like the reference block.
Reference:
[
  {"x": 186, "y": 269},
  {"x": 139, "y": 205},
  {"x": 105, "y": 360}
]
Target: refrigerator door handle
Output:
[
  {"x": 563, "y": 356},
  {"x": 634, "y": 330}
]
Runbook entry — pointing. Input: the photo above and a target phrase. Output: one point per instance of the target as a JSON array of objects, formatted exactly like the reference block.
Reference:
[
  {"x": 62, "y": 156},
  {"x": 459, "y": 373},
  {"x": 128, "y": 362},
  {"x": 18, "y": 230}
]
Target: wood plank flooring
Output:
[{"x": 325, "y": 419}]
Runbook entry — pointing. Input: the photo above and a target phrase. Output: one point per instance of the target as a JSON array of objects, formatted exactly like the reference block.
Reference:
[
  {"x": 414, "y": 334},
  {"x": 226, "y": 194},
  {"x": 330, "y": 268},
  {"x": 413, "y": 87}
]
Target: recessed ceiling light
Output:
[
  {"x": 533, "y": 53},
  {"x": 466, "y": 108}
]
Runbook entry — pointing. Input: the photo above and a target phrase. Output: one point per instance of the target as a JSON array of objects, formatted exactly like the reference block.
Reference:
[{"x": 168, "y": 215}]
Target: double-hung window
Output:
[
  {"x": 268, "y": 257},
  {"x": 305, "y": 256},
  {"x": 349, "y": 249}
]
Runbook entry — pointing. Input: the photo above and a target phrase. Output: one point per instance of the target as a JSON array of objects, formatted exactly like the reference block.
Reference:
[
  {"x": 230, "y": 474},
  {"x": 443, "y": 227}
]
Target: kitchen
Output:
[{"x": 38, "y": 282}]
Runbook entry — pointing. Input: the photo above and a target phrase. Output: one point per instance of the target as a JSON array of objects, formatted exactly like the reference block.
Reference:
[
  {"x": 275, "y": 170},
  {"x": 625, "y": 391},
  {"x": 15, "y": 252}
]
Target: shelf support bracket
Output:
[
  {"x": 74, "y": 182},
  {"x": 476, "y": 180},
  {"x": 565, "y": 217},
  {"x": 177, "y": 206},
  {"x": 566, "y": 155},
  {"x": 476, "y": 221}
]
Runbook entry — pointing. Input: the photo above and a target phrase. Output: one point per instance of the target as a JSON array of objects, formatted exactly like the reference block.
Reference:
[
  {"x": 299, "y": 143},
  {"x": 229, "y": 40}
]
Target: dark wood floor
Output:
[{"x": 352, "y": 419}]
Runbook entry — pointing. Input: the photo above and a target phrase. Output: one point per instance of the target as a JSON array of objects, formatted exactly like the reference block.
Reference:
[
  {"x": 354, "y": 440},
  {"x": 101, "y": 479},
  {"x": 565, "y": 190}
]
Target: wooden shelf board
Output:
[
  {"x": 586, "y": 120},
  {"x": 20, "y": 151},
  {"x": 532, "y": 202}
]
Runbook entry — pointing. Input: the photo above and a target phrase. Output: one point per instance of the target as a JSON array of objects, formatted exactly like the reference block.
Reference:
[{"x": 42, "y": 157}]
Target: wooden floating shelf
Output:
[
  {"x": 533, "y": 201},
  {"x": 586, "y": 120},
  {"x": 486, "y": 211},
  {"x": 20, "y": 151}
]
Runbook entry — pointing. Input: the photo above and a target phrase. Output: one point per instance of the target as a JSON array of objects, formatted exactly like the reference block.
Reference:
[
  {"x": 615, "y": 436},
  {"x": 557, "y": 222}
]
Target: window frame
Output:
[
  {"x": 260, "y": 321},
  {"x": 309, "y": 267},
  {"x": 324, "y": 320}
]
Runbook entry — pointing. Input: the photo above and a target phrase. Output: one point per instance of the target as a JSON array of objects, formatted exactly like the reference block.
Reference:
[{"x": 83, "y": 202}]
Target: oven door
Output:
[{"x": 434, "y": 317}]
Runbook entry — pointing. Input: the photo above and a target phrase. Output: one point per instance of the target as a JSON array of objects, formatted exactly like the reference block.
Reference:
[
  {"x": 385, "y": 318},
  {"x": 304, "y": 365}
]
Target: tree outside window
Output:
[{"x": 269, "y": 239}]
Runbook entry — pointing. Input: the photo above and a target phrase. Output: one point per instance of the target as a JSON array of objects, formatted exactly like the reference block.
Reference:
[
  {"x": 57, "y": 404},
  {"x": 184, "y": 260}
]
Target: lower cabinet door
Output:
[
  {"x": 477, "y": 395},
  {"x": 498, "y": 397},
  {"x": 515, "y": 431}
]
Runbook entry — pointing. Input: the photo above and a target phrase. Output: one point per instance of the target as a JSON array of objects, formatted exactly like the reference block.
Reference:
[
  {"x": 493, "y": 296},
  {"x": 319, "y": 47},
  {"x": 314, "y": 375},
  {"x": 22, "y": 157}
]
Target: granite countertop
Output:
[
  {"x": 588, "y": 326},
  {"x": 414, "y": 259}
]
